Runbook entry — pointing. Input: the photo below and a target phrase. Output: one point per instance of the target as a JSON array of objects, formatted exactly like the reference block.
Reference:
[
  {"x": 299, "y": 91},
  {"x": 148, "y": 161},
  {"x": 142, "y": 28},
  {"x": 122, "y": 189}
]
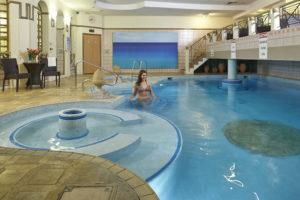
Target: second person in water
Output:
[{"x": 143, "y": 87}]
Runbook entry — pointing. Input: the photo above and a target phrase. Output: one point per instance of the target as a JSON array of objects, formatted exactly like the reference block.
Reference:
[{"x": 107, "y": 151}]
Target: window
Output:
[{"x": 4, "y": 48}]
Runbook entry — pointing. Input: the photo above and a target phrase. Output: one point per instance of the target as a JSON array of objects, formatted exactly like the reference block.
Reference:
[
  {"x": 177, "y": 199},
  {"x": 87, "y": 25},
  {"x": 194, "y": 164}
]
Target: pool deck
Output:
[{"x": 38, "y": 174}]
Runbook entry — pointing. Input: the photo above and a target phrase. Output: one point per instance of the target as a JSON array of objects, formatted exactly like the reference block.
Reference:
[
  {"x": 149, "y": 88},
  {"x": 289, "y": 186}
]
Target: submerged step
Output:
[{"x": 112, "y": 146}]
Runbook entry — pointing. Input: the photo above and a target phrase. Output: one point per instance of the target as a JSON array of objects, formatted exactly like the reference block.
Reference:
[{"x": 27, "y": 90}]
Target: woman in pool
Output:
[{"x": 143, "y": 87}]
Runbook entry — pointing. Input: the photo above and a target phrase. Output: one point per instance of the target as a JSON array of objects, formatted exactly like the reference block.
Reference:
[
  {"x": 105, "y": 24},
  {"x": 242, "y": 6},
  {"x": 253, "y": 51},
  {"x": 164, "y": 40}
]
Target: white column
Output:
[
  {"x": 214, "y": 37},
  {"x": 251, "y": 26},
  {"x": 235, "y": 31},
  {"x": 275, "y": 19},
  {"x": 232, "y": 69},
  {"x": 224, "y": 35}
]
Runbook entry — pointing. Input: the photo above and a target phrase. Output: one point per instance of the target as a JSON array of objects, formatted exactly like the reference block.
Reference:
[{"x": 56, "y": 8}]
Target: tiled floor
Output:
[
  {"x": 10, "y": 100},
  {"x": 37, "y": 175}
]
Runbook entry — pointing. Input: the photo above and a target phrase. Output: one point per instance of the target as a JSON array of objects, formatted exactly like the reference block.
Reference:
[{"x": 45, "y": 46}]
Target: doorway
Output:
[{"x": 91, "y": 52}]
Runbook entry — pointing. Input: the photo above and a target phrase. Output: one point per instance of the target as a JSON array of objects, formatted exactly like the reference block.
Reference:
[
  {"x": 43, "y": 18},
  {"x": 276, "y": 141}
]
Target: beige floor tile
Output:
[{"x": 45, "y": 176}]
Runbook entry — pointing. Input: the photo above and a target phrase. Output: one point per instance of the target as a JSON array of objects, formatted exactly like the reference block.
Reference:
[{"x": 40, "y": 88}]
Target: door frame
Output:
[
  {"x": 63, "y": 48},
  {"x": 83, "y": 48}
]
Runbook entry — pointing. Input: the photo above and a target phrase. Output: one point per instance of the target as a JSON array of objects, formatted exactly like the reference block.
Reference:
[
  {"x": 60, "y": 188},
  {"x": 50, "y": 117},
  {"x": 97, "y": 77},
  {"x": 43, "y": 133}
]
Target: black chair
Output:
[
  {"x": 11, "y": 71},
  {"x": 49, "y": 71}
]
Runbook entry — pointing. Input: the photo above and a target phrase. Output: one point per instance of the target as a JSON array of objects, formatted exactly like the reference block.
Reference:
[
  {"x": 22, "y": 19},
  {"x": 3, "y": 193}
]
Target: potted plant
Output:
[
  {"x": 215, "y": 69},
  {"x": 32, "y": 54},
  {"x": 243, "y": 67},
  {"x": 221, "y": 67},
  {"x": 206, "y": 68}
]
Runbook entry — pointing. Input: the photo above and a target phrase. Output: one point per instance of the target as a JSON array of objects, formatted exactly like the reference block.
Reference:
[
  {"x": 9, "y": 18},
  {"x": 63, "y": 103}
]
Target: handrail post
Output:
[{"x": 75, "y": 75}]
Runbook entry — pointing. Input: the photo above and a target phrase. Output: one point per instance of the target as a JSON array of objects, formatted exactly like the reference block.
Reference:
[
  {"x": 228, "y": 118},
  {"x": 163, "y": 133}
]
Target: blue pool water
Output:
[
  {"x": 32, "y": 134},
  {"x": 209, "y": 166}
]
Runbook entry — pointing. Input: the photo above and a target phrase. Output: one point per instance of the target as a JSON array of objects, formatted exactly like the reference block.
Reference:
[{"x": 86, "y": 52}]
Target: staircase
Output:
[
  {"x": 195, "y": 66},
  {"x": 195, "y": 55}
]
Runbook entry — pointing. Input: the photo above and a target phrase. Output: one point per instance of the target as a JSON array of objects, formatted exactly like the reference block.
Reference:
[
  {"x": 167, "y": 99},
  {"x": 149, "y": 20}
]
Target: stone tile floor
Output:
[{"x": 38, "y": 174}]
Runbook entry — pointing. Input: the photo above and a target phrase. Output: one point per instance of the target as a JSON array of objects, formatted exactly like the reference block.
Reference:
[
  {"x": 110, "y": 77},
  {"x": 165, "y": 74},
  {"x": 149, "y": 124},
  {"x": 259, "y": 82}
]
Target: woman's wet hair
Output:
[{"x": 139, "y": 80}]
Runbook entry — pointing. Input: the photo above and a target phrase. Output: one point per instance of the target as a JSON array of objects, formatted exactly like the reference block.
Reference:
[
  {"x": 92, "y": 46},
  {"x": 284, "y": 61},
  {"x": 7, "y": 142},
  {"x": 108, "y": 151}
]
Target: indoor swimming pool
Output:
[
  {"x": 210, "y": 166},
  {"x": 197, "y": 142}
]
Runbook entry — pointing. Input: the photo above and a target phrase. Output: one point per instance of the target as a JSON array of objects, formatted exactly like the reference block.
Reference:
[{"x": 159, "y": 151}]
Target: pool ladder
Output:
[{"x": 140, "y": 66}]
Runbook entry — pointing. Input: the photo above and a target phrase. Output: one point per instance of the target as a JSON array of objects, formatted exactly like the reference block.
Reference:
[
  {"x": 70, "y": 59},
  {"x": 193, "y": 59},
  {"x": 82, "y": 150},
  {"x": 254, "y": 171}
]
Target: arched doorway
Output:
[
  {"x": 43, "y": 27},
  {"x": 60, "y": 42}
]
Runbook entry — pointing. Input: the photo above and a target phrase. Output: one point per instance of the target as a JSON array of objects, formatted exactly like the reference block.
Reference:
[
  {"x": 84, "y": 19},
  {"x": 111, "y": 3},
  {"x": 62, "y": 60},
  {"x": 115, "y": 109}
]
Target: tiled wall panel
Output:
[{"x": 283, "y": 69}]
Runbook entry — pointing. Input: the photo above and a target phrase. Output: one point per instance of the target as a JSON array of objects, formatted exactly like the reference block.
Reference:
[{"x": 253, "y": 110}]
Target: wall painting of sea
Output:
[{"x": 159, "y": 49}]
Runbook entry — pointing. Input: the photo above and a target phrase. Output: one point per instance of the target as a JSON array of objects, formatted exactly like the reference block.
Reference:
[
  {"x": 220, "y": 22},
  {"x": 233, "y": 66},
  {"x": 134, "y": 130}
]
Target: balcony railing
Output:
[
  {"x": 263, "y": 22},
  {"x": 290, "y": 14},
  {"x": 243, "y": 28},
  {"x": 229, "y": 31}
]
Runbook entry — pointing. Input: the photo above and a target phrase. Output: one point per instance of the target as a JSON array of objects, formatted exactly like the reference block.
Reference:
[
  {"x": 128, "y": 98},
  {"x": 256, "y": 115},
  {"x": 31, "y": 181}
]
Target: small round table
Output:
[{"x": 35, "y": 70}]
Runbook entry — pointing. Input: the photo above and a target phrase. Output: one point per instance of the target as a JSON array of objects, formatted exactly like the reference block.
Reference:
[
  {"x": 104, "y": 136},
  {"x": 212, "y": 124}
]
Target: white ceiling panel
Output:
[{"x": 168, "y": 7}]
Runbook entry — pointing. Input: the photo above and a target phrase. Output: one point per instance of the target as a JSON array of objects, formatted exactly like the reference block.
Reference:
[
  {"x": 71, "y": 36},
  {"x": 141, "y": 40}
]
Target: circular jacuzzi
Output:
[{"x": 140, "y": 141}]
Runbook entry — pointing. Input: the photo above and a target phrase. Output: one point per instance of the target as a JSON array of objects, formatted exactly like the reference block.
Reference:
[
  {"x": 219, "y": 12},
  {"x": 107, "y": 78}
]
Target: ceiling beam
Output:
[{"x": 184, "y": 6}]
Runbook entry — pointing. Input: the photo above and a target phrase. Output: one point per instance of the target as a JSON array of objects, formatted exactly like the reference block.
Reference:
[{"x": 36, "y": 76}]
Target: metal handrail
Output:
[
  {"x": 197, "y": 50},
  {"x": 141, "y": 64},
  {"x": 102, "y": 69},
  {"x": 133, "y": 66},
  {"x": 83, "y": 82}
]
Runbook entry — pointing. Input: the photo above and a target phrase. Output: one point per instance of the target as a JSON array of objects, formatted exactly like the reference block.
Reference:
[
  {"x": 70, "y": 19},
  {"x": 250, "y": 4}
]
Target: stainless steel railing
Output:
[
  {"x": 140, "y": 65},
  {"x": 102, "y": 69}
]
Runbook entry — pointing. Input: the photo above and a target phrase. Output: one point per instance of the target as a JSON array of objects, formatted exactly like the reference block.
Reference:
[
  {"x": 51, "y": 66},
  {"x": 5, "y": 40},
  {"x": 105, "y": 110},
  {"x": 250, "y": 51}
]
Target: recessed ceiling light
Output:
[{"x": 231, "y": 2}]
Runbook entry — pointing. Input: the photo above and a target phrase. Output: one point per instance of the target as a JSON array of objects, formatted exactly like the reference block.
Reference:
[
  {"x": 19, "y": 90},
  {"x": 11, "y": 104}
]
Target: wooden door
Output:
[{"x": 91, "y": 52}]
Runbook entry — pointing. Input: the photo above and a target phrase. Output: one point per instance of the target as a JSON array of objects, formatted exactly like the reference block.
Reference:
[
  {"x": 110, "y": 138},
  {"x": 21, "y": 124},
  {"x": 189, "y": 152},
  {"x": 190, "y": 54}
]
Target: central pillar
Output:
[
  {"x": 231, "y": 82},
  {"x": 232, "y": 69}
]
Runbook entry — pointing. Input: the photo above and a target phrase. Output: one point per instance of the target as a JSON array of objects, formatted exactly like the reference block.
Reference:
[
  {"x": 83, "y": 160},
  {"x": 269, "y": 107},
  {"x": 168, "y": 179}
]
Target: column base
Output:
[{"x": 232, "y": 83}]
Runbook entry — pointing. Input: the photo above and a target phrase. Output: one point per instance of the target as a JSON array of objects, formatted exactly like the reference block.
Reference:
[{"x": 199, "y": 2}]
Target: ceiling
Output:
[{"x": 232, "y": 8}]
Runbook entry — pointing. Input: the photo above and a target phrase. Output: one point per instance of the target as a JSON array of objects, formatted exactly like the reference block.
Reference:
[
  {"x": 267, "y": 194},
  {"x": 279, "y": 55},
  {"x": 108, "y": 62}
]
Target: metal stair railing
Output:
[
  {"x": 197, "y": 51},
  {"x": 141, "y": 64},
  {"x": 102, "y": 69}
]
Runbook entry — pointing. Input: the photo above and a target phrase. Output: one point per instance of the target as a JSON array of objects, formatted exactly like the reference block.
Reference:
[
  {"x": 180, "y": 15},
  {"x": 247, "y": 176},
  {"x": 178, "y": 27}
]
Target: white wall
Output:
[{"x": 23, "y": 32}]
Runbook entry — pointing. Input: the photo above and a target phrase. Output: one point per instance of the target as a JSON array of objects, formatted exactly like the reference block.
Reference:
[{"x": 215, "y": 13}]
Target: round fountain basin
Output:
[{"x": 72, "y": 124}]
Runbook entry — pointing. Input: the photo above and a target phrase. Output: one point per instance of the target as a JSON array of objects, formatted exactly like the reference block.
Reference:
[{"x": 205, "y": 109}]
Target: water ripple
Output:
[{"x": 234, "y": 181}]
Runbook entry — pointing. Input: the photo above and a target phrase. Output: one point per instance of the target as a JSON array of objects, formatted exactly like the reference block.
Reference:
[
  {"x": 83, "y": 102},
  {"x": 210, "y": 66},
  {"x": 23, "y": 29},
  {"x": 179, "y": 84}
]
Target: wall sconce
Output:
[{"x": 52, "y": 23}]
